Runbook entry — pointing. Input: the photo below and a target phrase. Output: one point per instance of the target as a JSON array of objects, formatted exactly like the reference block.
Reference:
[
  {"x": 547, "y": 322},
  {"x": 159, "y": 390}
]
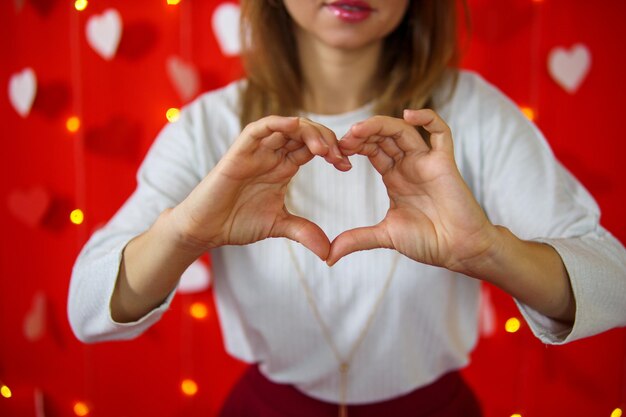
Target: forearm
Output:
[
  {"x": 151, "y": 266},
  {"x": 531, "y": 272}
]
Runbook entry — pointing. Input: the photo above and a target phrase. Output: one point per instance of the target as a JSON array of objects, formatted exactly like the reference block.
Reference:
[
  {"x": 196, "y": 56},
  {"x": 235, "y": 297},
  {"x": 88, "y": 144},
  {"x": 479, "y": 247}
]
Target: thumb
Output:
[
  {"x": 361, "y": 238},
  {"x": 305, "y": 232}
]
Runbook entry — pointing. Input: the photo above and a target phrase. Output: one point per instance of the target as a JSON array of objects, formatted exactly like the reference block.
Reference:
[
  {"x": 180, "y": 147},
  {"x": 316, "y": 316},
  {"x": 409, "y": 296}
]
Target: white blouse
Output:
[{"x": 426, "y": 324}]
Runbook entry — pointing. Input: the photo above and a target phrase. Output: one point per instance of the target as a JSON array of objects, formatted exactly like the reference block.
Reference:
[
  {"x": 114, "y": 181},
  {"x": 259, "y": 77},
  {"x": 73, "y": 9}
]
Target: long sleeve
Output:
[
  {"x": 524, "y": 188},
  {"x": 182, "y": 154},
  {"x": 165, "y": 178}
]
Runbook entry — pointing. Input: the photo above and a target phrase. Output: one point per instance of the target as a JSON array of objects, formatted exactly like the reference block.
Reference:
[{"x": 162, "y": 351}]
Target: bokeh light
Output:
[
  {"x": 80, "y": 5},
  {"x": 512, "y": 325},
  {"x": 198, "y": 310},
  {"x": 5, "y": 391},
  {"x": 77, "y": 216},
  {"x": 529, "y": 112},
  {"x": 81, "y": 409},
  {"x": 72, "y": 124},
  {"x": 172, "y": 114},
  {"x": 189, "y": 387}
]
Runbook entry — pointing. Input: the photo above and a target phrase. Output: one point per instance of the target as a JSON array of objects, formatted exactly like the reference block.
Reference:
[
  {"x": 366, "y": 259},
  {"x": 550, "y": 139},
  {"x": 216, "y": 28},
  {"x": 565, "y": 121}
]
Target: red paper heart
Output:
[{"x": 30, "y": 206}]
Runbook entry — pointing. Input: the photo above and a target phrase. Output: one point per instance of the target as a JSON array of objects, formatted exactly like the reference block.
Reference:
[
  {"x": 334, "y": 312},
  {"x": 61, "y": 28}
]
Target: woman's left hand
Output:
[{"x": 433, "y": 217}]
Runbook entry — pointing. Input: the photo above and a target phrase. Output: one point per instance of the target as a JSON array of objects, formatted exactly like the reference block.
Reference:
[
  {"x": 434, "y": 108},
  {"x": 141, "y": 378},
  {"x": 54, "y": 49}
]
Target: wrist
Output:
[{"x": 176, "y": 236}]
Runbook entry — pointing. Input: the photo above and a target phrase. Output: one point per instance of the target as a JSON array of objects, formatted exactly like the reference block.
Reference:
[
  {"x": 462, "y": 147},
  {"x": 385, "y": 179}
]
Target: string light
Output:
[
  {"x": 173, "y": 2},
  {"x": 528, "y": 112},
  {"x": 172, "y": 114},
  {"x": 77, "y": 216},
  {"x": 72, "y": 124},
  {"x": 198, "y": 310},
  {"x": 5, "y": 391},
  {"x": 81, "y": 409},
  {"x": 189, "y": 387},
  {"x": 512, "y": 325},
  {"x": 617, "y": 412},
  {"x": 80, "y": 5}
]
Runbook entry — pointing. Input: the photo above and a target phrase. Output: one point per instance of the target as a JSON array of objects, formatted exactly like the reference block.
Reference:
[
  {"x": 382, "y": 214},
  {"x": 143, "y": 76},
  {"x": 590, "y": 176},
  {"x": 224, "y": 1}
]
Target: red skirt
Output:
[{"x": 256, "y": 396}]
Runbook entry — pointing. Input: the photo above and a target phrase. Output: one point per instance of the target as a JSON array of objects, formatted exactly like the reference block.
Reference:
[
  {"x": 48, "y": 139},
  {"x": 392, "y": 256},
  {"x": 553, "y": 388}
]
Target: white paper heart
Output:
[
  {"x": 35, "y": 320},
  {"x": 569, "y": 68},
  {"x": 184, "y": 77},
  {"x": 196, "y": 278},
  {"x": 104, "y": 32},
  {"x": 486, "y": 313},
  {"x": 22, "y": 91},
  {"x": 225, "y": 22},
  {"x": 40, "y": 409}
]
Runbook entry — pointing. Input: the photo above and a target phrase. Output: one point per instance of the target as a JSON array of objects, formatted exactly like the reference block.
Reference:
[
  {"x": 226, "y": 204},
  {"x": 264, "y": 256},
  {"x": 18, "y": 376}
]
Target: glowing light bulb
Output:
[
  {"x": 173, "y": 2},
  {"x": 512, "y": 325},
  {"x": 81, "y": 409},
  {"x": 5, "y": 391},
  {"x": 617, "y": 412},
  {"x": 80, "y": 5},
  {"x": 528, "y": 112},
  {"x": 516, "y": 415},
  {"x": 72, "y": 124},
  {"x": 77, "y": 216},
  {"x": 189, "y": 387},
  {"x": 198, "y": 311},
  {"x": 172, "y": 114}
]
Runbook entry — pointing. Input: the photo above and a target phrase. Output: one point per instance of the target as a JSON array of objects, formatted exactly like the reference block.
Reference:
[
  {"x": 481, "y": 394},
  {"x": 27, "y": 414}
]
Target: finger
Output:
[
  {"x": 327, "y": 136},
  {"x": 304, "y": 232},
  {"x": 264, "y": 127},
  {"x": 312, "y": 138},
  {"x": 362, "y": 238},
  {"x": 391, "y": 148},
  {"x": 406, "y": 136},
  {"x": 300, "y": 156},
  {"x": 440, "y": 134},
  {"x": 329, "y": 140},
  {"x": 275, "y": 140},
  {"x": 379, "y": 159}
]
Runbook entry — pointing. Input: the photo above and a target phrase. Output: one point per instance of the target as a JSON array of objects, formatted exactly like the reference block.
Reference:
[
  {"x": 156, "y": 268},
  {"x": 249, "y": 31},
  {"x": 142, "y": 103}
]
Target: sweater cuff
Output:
[{"x": 595, "y": 267}]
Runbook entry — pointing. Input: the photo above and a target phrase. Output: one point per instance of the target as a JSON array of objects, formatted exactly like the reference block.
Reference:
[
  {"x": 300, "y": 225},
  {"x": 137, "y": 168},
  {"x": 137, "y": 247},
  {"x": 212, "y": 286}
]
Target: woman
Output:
[{"x": 382, "y": 332}]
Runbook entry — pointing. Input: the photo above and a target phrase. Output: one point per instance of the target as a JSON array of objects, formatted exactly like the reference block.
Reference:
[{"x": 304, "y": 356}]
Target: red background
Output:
[{"x": 122, "y": 105}]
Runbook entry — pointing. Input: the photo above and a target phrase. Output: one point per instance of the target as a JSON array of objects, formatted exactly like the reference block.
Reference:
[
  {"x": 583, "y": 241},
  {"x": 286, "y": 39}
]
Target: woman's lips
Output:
[{"x": 352, "y": 11}]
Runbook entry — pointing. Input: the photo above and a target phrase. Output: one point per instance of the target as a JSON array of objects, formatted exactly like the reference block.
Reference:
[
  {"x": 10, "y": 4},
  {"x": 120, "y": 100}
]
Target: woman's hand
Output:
[
  {"x": 242, "y": 200},
  {"x": 433, "y": 217}
]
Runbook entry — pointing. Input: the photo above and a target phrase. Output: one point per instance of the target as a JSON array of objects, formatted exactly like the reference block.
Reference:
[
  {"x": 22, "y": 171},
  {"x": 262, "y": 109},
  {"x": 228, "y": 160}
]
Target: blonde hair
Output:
[{"x": 417, "y": 56}]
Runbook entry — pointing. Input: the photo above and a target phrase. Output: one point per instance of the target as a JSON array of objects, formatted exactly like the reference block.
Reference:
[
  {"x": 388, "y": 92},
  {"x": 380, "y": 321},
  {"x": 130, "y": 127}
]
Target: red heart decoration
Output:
[{"x": 30, "y": 206}]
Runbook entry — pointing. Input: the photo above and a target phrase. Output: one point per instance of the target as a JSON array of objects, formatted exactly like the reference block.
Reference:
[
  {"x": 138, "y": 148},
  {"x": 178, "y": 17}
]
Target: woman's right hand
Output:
[{"x": 242, "y": 199}]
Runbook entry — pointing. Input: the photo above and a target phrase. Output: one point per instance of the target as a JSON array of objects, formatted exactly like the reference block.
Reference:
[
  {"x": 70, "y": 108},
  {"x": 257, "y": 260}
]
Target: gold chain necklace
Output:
[{"x": 344, "y": 362}]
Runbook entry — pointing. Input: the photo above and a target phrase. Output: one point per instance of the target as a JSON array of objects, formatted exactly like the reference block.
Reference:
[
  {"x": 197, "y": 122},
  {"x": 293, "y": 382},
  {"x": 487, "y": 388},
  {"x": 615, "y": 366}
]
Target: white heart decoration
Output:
[
  {"x": 569, "y": 68},
  {"x": 184, "y": 76},
  {"x": 22, "y": 91},
  {"x": 196, "y": 278},
  {"x": 486, "y": 313},
  {"x": 104, "y": 33},
  {"x": 35, "y": 320},
  {"x": 225, "y": 22}
]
